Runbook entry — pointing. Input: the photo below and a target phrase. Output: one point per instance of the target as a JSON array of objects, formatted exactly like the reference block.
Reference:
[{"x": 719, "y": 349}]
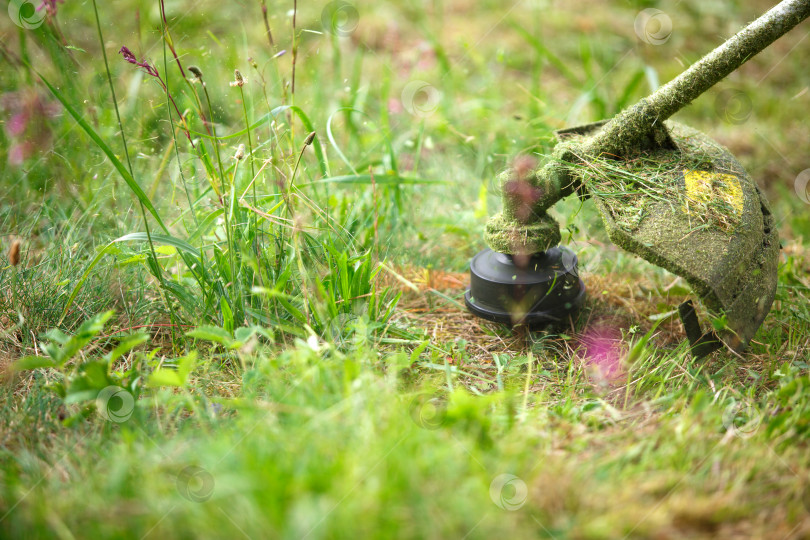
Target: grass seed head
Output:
[
  {"x": 196, "y": 72},
  {"x": 239, "y": 80},
  {"x": 14, "y": 253}
]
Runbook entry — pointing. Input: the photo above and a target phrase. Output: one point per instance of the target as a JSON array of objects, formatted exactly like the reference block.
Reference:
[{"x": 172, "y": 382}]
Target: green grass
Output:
[{"x": 288, "y": 357}]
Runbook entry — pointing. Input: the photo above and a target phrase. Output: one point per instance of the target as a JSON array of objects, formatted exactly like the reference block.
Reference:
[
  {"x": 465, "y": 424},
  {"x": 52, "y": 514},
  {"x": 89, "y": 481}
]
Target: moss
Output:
[
  {"x": 534, "y": 230},
  {"x": 548, "y": 185},
  {"x": 508, "y": 236}
]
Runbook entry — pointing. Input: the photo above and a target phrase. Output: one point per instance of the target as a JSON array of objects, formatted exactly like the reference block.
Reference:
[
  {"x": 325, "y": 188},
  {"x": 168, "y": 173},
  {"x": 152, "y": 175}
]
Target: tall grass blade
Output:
[{"x": 133, "y": 185}]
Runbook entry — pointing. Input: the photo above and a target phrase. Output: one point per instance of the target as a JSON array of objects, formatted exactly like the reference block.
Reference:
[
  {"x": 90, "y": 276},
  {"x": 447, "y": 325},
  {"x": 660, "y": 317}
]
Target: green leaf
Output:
[
  {"x": 57, "y": 336},
  {"x": 80, "y": 396},
  {"x": 185, "y": 365},
  {"x": 227, "y": 315},
  {"x": 135, "y": 259},
  {"x": 418, "y": 351},
  {"x": 34, "y": 362},
  {"x": 212, "y": 333},
  {"x": 316, "y": 143},
  {"x": 70, "y": 345},
  {"x": 205, "y": 225},
  {"x": 188, "y": 300},
  {"x": 111, "y": 247},
  {"x": 178, "y": 376},
  {"x": 719, "y": 323},
  {"x": 638, "y": 349},
  {"x": 125, "y": 345},
  {"x": 92, "y": 376},
  {"x": 244, "y": 333},
  {"x": 160, "y": 239},
  {"x": 164, "y": 377}
]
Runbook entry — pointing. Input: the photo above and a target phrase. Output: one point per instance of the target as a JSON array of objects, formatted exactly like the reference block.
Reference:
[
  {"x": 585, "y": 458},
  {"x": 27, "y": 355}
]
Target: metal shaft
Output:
[{"x": 630, "y": 128}]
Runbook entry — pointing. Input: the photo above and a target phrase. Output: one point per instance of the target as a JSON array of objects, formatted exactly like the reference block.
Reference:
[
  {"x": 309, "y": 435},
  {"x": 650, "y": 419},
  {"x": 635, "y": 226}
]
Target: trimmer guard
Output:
[{"x": 734, "y": 271}]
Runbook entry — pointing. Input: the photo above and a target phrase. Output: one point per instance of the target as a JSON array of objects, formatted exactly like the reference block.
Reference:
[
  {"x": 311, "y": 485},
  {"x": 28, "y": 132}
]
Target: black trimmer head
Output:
[{"x": 542, "y": 289}]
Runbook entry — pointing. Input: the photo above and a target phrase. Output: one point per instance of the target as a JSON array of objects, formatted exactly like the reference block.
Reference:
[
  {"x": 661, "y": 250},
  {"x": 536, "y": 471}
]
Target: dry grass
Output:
[{"x": 615, "y": 306}]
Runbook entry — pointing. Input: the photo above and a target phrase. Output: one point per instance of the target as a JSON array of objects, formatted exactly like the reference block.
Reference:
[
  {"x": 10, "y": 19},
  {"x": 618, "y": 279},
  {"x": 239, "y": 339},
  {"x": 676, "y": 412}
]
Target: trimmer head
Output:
[{"x": 536, "y": 291}]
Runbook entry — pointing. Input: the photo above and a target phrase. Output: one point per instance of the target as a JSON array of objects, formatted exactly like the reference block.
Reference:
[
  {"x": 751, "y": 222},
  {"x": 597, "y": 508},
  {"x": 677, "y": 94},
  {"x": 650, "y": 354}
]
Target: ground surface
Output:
[{"x": 293, "y": 358}]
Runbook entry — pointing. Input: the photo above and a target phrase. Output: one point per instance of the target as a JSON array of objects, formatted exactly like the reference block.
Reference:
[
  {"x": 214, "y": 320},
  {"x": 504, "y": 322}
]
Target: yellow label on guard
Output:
[{"x": 704, "y": 186}]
